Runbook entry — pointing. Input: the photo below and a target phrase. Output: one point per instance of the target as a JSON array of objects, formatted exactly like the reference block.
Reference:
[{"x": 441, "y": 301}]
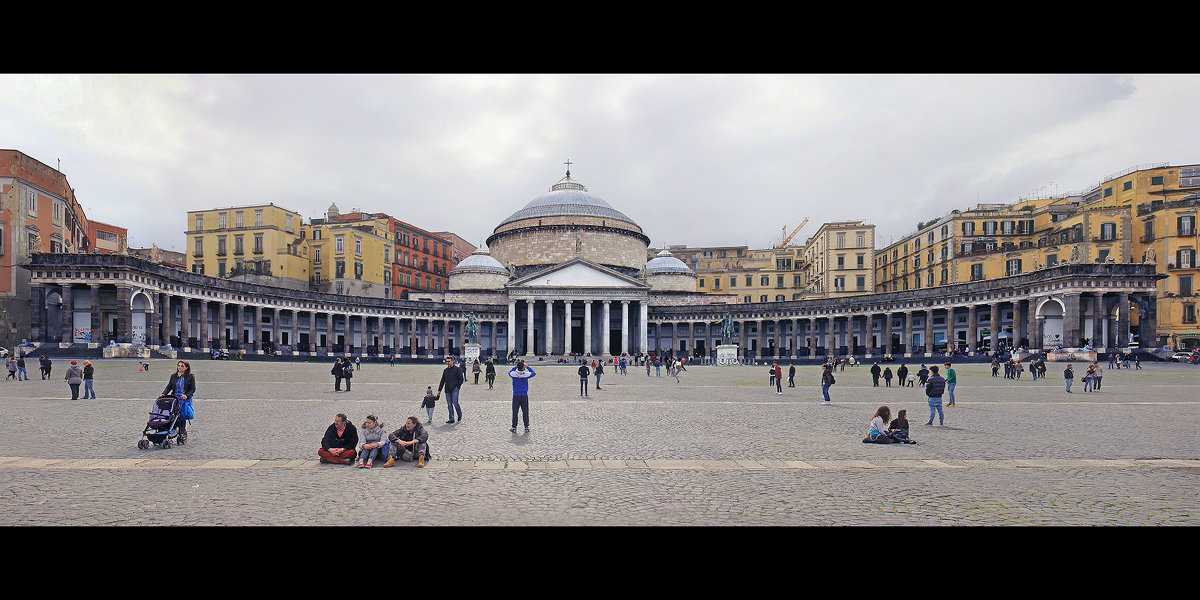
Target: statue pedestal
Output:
[
  {"x": 470, "y": 354},
  {"x": 727, "y": 354}
]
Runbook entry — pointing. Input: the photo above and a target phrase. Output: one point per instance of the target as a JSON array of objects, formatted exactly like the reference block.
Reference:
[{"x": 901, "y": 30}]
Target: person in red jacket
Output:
[{"x": 778, "y": 379}]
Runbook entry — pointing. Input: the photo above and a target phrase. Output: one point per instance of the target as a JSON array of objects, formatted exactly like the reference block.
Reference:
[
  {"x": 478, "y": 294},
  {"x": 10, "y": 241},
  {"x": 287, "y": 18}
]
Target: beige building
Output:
[
  {"x": 839, "y": 260},
  {"x": 351, "y": 255}
]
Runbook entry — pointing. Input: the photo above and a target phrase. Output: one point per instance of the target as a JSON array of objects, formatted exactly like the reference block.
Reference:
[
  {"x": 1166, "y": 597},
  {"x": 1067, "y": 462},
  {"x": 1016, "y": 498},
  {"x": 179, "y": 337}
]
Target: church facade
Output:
[{"x": 568, "y": 274}]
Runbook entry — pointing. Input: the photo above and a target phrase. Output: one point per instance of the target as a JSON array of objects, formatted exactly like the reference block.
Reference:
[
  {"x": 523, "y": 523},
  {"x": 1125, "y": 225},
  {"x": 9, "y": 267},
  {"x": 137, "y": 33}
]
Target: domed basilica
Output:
[{"x": 574, "y": 274}]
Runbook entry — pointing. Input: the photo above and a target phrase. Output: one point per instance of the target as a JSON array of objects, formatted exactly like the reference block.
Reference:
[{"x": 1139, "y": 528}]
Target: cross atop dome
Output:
[{"x": 568, "y": 163}]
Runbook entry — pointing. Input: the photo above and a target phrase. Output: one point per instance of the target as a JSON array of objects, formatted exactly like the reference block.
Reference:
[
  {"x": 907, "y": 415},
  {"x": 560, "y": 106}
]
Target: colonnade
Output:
[{"x": 559, "y": 326}]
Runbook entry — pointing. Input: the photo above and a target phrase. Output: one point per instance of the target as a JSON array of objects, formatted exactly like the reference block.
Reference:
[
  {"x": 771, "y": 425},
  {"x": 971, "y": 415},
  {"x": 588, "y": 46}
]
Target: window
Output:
[
  {"x": 220, "y": 268},
  {"x": 1128, "y": 186},
  {"x": 1186, "y": 225},
  {"x": 258, "y": 243},
  {"x": 841, "y": 261},
  {"x": 339, "y": 242},
  {"x": 258, "y": 218},
  {"x": 749, "y": 281},
  {"x": 339, "y": 269},
  {"x": 357, "y": 246},
  {"x": 779, "y": 281},
  {"x": 968, "y": 228},
  {"x": 316, "y": 234},
  {"x": 930, "y": 283},
  {"x": 762, "y": 298},
  {"x": 1148, "y": 230},
  {"x": 1185, "y": 258},
  {"x": 358, "y": 269},
  {"x": 839, "y": 284},
  {"x": 780, "y": 298},
  {"x": 1102, "y": 255},
  {"x": 861, "y": 260},
  {"x": 796, "y": 281},
  {"x": 1185, "y": 285},
  {"x": 945, "y": 232},
  {"x": 316, "y": 255},
  {"x": 732, "y": 281},
  {"x": 288, "y": 222},
  {"x": 748, "y": 299},
  {"x": 1108, "y": 192},
  {"x": 1013, "y": 267},
  {"x": 861, "y": 283},
  {"x": 701, "y": 282},
  {"x": 31, "y": 203},
  {"x": 1189, "y": 313},
  {"x": 841, "y": 240},
  {"x": 199, "y": 222},
  {"x": 716, "y": 283},
  {"x": 237, "y": 219},
  {"x": 989, "y": 228},
  {"x": 221, "y": 220},
  {"x": 1051, "y": 260},
  {"x": 1108, "y": 231},
  {"x": 199, "y": 247},
  {"x": 237, "y": 244},
  {"x": 1008, "y": 227},
  {"x": 764, "y": 281},
  {"x": 945, "y": 276},
  {"x": 220, "y": 245},
  {"x": 977, "y": 272}
]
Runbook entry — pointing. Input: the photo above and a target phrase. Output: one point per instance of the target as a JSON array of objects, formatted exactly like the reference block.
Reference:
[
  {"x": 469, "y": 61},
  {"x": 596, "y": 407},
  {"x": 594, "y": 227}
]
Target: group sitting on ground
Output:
[
  {"x": 883, "y": 431},
  {"x": 341, "y": 443}
]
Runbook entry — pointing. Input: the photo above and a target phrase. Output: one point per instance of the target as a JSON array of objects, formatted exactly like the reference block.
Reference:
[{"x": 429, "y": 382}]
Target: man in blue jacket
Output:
[{"x": 520, "y": 376}]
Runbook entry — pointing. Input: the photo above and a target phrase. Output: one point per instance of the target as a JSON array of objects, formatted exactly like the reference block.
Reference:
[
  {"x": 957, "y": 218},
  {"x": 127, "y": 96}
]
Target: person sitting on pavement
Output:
[
  {"x": 410, "y": 442},
  {"x": 340, "y": 442},
  {"x": 374, "y": 442},
  {"x": 877, "y": 430}
]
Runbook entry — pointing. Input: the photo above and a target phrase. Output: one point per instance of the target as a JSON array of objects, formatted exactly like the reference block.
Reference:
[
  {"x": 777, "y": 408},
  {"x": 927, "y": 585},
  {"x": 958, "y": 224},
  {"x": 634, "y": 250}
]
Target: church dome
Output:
[
  {"x": 664, "y": 263},
  {"x": 480, "y": 262},
  {"x": 567, "y": 198}
]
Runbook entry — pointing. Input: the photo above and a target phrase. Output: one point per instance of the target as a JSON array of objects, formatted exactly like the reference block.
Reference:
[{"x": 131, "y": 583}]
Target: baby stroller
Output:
[{"x": 163, "y": 426}]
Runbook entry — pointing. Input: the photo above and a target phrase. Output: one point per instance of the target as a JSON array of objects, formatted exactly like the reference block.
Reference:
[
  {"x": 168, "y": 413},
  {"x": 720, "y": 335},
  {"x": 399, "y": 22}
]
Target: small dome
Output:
[
  {"x": 480, "y": 262},
  {"x": 666, "y": 264}
]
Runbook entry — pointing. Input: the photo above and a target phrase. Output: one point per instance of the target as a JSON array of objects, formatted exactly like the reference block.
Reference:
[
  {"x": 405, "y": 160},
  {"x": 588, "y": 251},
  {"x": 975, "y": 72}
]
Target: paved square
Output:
[{"x": 717, "y": 448}]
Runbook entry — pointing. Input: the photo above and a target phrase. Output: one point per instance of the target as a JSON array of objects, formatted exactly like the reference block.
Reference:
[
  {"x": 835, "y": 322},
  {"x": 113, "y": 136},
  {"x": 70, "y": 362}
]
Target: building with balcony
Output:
[
  {"x": 262, "y": 244},
  {"x": 839, "y": 260}
]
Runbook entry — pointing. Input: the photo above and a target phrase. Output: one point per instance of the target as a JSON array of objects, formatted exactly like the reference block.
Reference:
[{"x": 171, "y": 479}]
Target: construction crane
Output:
[{"x": 788, "y": 237}]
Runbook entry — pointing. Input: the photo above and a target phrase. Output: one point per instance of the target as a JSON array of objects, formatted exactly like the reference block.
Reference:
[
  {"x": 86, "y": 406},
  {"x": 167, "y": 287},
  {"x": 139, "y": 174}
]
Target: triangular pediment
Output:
[{"x": 577, "y": 273}]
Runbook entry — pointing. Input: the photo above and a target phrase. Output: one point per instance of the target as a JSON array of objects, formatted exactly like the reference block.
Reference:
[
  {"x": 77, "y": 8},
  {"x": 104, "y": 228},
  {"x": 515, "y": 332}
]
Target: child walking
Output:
[{"x": 428, "y": 403}]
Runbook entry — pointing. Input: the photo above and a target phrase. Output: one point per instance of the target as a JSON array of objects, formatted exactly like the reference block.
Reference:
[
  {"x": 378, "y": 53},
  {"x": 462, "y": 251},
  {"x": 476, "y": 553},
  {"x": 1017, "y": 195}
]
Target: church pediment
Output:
[{"x": 578, "y": 273}]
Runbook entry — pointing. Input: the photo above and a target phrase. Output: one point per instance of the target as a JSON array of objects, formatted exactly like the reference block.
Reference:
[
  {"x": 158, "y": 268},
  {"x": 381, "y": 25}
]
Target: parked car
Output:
[
  {"x": 1181, "y": 357},
  {"x": 3, "y": 352}
]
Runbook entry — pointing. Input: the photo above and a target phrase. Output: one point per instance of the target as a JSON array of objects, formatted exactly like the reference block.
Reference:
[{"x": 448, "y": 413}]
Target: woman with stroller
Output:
[{"x": 182, "y": 385}]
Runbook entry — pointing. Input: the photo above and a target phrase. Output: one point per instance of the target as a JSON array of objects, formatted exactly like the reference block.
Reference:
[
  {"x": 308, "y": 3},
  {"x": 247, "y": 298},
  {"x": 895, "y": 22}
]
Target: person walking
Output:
[
  {"x": 952, "y": 380},
  {"x": 520, "y": 376},
  {"x": 1097, "y": 376},
  {"x": 73, "y": 378},
  {"x": 598, "y": 372},
  {"x": 826, "y": 381},
  {"x": 584, "y": 372},
  {"x": 934, "y": 389},
  {"x": 22, "y": 375},
  {"x": 923, "y": 375},
  {"x": 902, "y": 374},
  {"x": 777, "y": 373},
  {"x": 89, "y": 380},
  {"x": 475, "y": 370},
  {"x": 1088, "y": 378},
  {"x": 489, "y": 373},
  {"x": 875, "y": 371},
  {"x": 452, "y": 380},
  {"x": 887, "y": 377},
  {"x": 792, "y": 375},
  {"x": 11, "y": 364},
  {"x": 1069, "y": 377},
  {"x": 46, "y": 365}
]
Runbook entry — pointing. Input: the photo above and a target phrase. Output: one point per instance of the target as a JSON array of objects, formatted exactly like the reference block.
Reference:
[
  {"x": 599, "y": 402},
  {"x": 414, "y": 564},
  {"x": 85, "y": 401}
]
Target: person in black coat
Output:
[
  {"x": 452, "y": 380},
  {"x": 875, "y": 371},
  {"x": 182, "y": 385},
  {"x": 339, "y": 373},
  {"x": 339, "y": 443}
]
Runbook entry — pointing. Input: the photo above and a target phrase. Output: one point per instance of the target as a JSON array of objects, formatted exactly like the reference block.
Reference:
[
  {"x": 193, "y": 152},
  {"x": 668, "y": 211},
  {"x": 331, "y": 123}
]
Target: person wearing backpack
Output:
[{"x": 826, "y": 381}]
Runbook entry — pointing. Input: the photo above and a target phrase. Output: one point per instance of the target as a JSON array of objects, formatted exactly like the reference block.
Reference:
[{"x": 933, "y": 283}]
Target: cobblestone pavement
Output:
[{"x": 719, "y": 447}]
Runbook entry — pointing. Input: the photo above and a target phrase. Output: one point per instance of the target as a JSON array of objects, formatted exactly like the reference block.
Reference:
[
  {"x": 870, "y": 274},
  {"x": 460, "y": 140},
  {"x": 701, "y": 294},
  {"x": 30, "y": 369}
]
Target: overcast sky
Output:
[{"x": 693, "y": 159}]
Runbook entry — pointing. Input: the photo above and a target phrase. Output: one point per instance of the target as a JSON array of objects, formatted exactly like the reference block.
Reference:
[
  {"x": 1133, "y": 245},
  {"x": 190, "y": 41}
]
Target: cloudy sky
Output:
[{"x": 693, "y": 159}]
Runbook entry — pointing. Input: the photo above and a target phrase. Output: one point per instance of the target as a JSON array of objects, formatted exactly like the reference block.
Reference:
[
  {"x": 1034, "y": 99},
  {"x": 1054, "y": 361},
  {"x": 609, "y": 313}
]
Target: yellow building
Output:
[
  {"x": 839, "y": 260},
  {"x": 260, "y": 244},
  {"x": 1144, "y": 214},
  {"x": 351, "y": 254},
  {"x": 745, "y": 275}
]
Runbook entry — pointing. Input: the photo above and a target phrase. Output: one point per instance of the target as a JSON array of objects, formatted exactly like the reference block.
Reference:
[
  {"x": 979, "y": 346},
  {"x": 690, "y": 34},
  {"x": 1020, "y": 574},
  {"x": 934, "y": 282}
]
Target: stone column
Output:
[
  {"x": 795, "y": 337},
  {"x": 185, "y": 326},
  {"x": 222, "y": 317},
  {"x": 830, "y": 341},
  {"x": 312, "y": 331},
  {"x": 256, "y": 328},
  {"x": 67, "y": 313},
  {"x": 529, "y": 327},
  {"x": 908, "y": 331},
  {"x": 1036, "y": 324},
  {"x": 275, "y": 324},
  {"x": 1099, "y": 340},
  {"x": 512, "y": 326},
  {"x": 330, "y": 339},
  {"x": 994, "y": 326},
  {"x": 644, "y": 311},
  {"x": 778, "y": 336},
  {"x": 674, "y": 337},
  {"x": 624, "y": 327},
  {"x": 951, "y": 339},
  {"x": 972, "y": 331},
  {"x": 96, "y": 323},
  {"x": 1123, "y": 321},
  {"x": 550, "y": 327},
  {"x": 587, "y": 326},
  {"x": 1072, "y": 322},
  {"x": 605, "y": 328},
  {"x": 294, "y": 342},
  {"x": 567, "y": 326}
]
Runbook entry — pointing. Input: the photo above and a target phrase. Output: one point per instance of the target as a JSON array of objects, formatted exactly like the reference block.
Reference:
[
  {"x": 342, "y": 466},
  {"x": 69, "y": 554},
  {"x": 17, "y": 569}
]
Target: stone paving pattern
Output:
[{"x": 718, "y": 448}]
